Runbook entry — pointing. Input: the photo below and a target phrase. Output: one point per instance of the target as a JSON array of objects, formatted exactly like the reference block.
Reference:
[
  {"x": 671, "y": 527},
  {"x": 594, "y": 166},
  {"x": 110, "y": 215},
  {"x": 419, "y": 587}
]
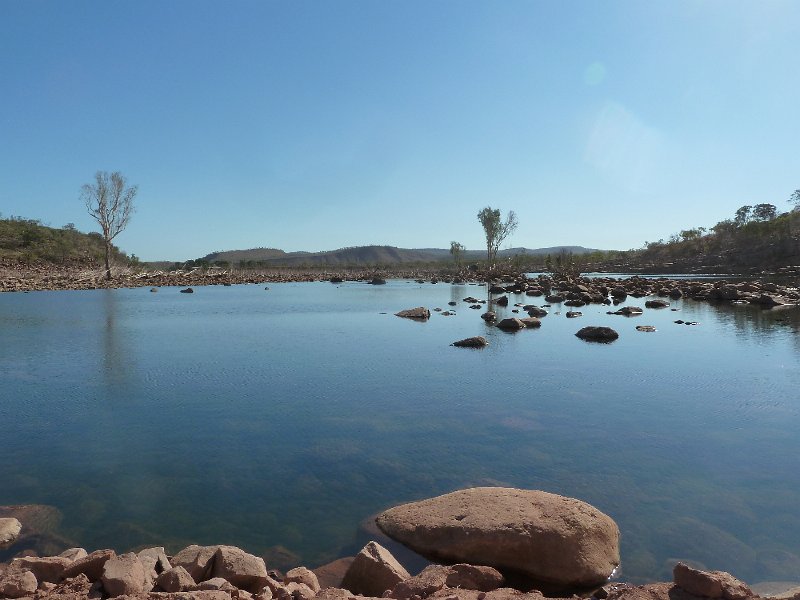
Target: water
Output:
[{"x": 279, "y": 420}]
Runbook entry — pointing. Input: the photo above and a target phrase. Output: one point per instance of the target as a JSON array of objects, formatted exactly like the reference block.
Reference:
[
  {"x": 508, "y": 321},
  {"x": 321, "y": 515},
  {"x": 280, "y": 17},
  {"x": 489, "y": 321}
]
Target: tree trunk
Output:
[{"x": 108, "y": 266}]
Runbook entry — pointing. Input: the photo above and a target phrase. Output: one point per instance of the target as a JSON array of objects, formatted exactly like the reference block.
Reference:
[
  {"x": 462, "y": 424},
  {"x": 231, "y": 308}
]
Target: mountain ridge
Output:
[{"x": 372, "y": 254}]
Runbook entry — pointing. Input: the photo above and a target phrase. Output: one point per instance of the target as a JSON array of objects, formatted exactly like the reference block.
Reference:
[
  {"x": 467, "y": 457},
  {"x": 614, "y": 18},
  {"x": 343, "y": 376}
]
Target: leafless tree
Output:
[{"x": 109, "y": 200}]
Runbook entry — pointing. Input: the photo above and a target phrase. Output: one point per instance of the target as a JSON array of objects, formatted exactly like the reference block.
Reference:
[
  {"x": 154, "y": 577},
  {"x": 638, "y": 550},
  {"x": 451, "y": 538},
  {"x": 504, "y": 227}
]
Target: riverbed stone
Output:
[
  {"x": 74, "y": 554},
  {"x": 9, "y": 530},
  {"x": 471, "y": 342},
  {"x": 597, "y": 334},
  {"x": 196, "y": 560},
  {"x": 90, "y": 565},
  {"x": 124, "y": 574},
  {"x": 551, "y": 538},
  {"x": 420, "y": 313},
  {"x": 17, "y": 583},
  {"x": 432, "y": 579},
  {"x": 373, "y": 571},
  {"x": 176, "y": 579},
  {"x": 711, "y": 584},
  {"x": 302, "y": 575},
  {"x": 45, "y": 568},
  {"x": 511, "y": 324},
  {"x": 243, "y": 570}
]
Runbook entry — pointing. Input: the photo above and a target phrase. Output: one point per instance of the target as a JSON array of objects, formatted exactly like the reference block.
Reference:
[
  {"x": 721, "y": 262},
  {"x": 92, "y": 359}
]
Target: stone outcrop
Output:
[
  {"x": 373, "y": 571},
  {"x": 549, "y": 538}
]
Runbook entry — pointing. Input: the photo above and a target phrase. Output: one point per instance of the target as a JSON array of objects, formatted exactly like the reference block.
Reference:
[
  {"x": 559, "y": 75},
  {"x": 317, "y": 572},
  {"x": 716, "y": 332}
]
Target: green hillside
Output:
[{"x": 27, "y": 241}]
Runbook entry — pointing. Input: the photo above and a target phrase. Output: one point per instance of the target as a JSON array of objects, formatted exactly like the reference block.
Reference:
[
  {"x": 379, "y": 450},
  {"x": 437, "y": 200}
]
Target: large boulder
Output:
[
  {"x": 243, "y": 570},
  {"x": 125, "y": 574},
  {"x": 550, "y": 538},
  {"x": 9, "y": 530},
  {"x": 176, "y": 579},
  {"x": 711, "y": 584},
  {"x": 373, "y": 571},
  {"x": 47, "y": 568},
  {"x": 90, "y": 565},
  {"x": 196, "y": 560},
  {"x": 16, "y": 583}
]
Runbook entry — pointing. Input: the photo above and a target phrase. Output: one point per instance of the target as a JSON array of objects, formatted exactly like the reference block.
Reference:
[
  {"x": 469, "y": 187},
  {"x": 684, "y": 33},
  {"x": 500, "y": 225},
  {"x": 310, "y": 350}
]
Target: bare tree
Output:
[
  {"x": 109, "y": 201},
  {"x": 496, "y": 229},
  {"x": 795, "y": 199}
]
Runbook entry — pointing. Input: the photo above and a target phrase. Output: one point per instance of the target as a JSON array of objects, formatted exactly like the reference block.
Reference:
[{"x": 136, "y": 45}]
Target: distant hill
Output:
[
  {"x": 27, "y": 240},
  {"x": 369, "y": 255}
]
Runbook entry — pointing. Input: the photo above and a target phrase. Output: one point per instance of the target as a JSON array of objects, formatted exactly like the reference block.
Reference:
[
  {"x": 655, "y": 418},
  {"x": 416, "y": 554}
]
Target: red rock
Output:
[
  {"x": 243, "y": 570},
  {"x": 176, "y": 579},
  {"x": 374, "y": 570},
  {"x": 470, "y": 577},
  {"x": 17, "y": 583},
  {"x": 302, "y": 575},
  {"x": 196, "y": 560},
  {"x": 547, "y": 537},
  {"x": 124, "y": 574},
  {"x": 91, "y": 565},
  {"x": 44, "y": 568},
  {"x": 432, "y": 579},
  {"x": 712, "y": 584}
]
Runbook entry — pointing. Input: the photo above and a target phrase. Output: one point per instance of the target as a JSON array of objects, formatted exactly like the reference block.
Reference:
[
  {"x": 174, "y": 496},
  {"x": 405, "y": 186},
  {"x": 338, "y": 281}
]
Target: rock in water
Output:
[
  {"x": 420, "y": 313},
  {"x": 9, "y": 530},
  {"x": 553, "y": 539},
  {"x": 471, "y": 342},
  {"x": 597, "y": 334}
]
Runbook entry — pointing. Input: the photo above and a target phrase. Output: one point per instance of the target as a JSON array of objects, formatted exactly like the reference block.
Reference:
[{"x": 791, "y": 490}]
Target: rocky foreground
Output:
[{"x": 502, "y": 540}]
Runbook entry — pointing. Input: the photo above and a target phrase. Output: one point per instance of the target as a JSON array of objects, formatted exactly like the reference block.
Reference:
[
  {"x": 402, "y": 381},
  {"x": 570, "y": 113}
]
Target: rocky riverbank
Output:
[{"x": 507, "y": 544}]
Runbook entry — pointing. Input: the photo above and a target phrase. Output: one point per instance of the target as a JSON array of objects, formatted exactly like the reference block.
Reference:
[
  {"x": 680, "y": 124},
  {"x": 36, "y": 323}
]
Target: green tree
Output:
[
  {"x": 457, "y": 251},
  {"x": 109, "y": 201},
  {"x": 764, "y": 212},
  {"x": 743, "y": 215},
  {"x": 496, "y": 229}
]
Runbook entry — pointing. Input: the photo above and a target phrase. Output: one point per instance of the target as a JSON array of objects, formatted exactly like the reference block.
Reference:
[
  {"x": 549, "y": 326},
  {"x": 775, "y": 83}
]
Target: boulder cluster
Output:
[{"x": 495, "y": 543}]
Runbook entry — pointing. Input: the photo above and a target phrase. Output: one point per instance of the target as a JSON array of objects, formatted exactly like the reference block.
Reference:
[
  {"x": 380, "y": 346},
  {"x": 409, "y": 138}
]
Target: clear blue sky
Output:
[{"x": 317, "y": 125}]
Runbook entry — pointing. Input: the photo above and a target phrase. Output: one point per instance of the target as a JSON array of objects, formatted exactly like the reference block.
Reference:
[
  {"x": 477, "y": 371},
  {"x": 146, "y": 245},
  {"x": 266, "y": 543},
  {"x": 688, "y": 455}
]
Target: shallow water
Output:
[{"x": 286, "y": 417}]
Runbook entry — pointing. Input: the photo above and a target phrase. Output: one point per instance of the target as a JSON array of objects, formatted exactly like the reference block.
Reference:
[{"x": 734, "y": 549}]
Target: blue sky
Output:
[{"x": 317, "y": 125}]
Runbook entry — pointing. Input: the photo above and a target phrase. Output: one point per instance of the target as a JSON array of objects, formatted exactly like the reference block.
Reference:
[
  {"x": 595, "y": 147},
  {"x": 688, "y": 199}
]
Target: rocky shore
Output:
[{"x": 493, "y": 543}]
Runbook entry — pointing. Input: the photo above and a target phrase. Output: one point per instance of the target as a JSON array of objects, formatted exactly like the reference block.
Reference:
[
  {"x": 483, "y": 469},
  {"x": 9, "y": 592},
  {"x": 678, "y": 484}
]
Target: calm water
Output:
[{"x": 286, "y": 417}]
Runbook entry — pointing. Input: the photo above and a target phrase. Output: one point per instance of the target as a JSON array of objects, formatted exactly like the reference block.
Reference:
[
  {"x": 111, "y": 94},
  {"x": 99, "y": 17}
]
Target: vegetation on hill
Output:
[
  {"x": 28, "y": 240},
  {"x": 367, "y": 256},
  {"x": 757, "y": 238}
]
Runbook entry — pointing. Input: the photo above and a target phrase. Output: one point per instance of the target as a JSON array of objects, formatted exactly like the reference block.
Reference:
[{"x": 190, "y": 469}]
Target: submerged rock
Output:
[
  {"x": 9, "y": 530},
  {"x": 550, "y": 538}
]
